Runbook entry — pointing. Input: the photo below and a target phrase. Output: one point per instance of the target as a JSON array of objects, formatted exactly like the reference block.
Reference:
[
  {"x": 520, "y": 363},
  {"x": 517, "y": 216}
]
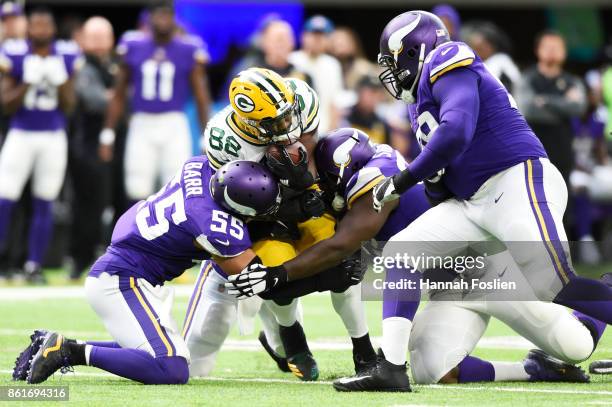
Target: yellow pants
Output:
[{"x": 275, "y": 252}]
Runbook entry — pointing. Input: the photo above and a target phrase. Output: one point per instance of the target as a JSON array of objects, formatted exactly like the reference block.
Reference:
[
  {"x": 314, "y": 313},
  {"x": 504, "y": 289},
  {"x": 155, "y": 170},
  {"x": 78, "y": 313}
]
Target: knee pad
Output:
[{"x": 175, "y": 368}]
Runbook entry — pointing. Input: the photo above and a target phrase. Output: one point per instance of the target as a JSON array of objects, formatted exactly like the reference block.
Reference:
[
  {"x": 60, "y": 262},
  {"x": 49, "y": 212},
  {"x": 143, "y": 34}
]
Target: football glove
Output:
[
  {"x": 390, "y": 188},
  {"x": 308, "y": 204},
  {"x": 294, "y": 176},
  {"x": 255, "y": 279}
]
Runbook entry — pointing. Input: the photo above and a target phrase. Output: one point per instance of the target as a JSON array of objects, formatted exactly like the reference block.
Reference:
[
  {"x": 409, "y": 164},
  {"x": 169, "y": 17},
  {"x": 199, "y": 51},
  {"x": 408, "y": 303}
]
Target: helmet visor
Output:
[{"x": 285, "y": 127}]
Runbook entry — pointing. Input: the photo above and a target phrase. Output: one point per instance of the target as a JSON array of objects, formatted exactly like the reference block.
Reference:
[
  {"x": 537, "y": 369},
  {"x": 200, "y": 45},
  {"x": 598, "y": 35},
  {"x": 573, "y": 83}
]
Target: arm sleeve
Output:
[{"x": 457, "y": 95}]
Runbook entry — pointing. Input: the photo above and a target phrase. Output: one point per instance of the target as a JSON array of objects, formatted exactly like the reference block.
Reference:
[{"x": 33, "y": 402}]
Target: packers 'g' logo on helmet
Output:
[
  {"x": 262, "y": 99},
  {"x": 244, "y": 103}
]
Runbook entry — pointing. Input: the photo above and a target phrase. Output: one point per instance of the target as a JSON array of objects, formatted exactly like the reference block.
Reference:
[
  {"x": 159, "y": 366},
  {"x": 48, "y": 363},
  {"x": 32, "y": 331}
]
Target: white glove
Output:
[
  {"x": 255, "y": 279},
  {"x": 384, "y": 191},
  {"x": 33, "y": 69},
  {"x": 55, "y": 70}
]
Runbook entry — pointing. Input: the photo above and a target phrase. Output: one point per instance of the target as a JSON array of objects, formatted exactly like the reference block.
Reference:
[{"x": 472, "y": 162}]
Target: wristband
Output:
[{"x": 107, "y": 137}]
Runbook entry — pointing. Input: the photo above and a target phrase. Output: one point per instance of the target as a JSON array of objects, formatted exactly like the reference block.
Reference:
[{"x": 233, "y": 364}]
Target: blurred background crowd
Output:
[{"x": 555, "y": 61}]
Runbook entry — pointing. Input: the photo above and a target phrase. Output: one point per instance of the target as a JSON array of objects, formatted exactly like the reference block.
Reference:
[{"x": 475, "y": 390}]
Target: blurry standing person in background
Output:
[
  {"x": 157, "y": 73},
  {"x": 492, "y": 46},
  {"x": 363, "y": 115},
  {"x": 451, "y": 19},
  {"x": 14, "y": 23},
  {"x": 93, "y": 88},
  {"x": 324, "y": 69},
  {"x": 346, "y": 47},
  {"x": 550, "y": 98},
  {"x": 277, "y": 41},
  {"x": 37, "y": 91},
  {"x": 591, "y": 179}
]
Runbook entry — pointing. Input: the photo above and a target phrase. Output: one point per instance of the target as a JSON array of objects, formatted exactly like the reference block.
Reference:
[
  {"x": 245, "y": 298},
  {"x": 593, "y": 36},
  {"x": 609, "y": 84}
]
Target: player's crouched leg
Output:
[{"x": 148, "y": 348}]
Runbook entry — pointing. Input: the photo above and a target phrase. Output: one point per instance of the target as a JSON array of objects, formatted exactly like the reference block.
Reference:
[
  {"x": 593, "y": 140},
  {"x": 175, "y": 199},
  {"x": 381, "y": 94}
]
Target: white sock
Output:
[
  {"x": 286, "y": 315},
  {"x": 510, "y": 371},
  {"x": 396, "y": 333},
  {"x": 87, "y": 353},
  {"x": 349, "y": 307}
]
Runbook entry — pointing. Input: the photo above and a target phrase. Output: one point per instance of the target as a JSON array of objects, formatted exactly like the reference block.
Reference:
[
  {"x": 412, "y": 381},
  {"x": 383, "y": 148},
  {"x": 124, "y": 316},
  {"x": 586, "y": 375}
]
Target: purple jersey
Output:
[
  {"x": 385, "y": 163},
  {"x": 40, "y": 110},
  {"x": 457, "y": 93},
  {"x": 160, "y": 73},
  {"x": 161, "y": 237}
]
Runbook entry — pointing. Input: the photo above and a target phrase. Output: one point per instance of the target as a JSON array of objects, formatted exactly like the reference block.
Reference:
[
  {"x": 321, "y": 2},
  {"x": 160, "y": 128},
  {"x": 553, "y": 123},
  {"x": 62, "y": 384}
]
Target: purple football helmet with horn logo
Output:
[
  {"x": 338, "y": 156},
  {"x": 404, "y": 45},
  {"x": 246, "y": 188}
]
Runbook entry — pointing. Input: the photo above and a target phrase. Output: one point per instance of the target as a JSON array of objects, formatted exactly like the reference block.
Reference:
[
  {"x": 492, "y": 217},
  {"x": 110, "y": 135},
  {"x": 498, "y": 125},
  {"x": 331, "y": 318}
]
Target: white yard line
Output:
[
  {"x": 324, "y": 382},
  {"x": 61, "y": 292},
  {"x": 253, "y": 345}
]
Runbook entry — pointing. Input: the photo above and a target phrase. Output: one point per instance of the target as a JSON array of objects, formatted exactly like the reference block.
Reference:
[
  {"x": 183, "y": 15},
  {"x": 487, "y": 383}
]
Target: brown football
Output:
[{"x": 292, "y": 149}]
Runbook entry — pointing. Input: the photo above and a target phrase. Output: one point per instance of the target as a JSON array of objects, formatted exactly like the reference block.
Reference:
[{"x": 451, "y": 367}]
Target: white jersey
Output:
[{"x": 226, "y": 139}]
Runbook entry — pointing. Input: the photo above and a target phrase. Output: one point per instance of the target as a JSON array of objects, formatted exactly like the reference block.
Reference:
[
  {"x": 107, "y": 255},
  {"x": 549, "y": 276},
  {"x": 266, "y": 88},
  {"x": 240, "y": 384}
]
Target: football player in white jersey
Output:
[{"x": 266, "y": 109}]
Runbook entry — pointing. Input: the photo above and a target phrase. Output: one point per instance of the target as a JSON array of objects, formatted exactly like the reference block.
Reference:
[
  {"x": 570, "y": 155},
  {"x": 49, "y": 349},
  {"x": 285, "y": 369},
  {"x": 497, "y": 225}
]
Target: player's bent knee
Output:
[
  {"x": 175, "y": 368},
  {"x": 574, "y": 342}
]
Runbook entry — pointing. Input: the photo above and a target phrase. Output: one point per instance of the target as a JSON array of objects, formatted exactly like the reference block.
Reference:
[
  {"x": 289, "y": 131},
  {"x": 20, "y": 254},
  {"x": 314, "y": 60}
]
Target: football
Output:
[{"x": 292, "y": 149}]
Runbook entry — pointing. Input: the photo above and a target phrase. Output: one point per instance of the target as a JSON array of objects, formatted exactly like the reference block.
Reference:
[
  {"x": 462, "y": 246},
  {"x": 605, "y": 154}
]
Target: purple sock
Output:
[
  {"x": 591, "y": 297},
  {"x": 6, "y": 209},
  {"x": 595, "y": 326},
  {"x": 103, "y": 344},
  {"x": 40, "y": 229},
  {"x": 401, "y": 302},
  {"x": 140, "y": 366},
  {"x": 472, "y": 369}
]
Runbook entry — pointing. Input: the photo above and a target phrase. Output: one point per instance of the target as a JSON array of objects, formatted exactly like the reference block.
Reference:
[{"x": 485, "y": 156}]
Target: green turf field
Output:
[{"x": 245, "y": 376}]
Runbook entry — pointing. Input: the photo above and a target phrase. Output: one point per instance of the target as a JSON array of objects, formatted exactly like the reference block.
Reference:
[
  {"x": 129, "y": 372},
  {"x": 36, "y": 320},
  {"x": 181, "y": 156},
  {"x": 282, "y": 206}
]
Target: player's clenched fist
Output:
[{"x": 255, "y": 279}]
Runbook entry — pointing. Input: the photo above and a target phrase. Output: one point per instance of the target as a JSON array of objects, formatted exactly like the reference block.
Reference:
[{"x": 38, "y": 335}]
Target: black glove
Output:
[
  {"x": 436, "y": 192},
  {"x": 294, "y": 176},
  {"x": 339, "y": 278},
  {"x": 255, "y": 279},
  {"x": 308, "y": 204}
]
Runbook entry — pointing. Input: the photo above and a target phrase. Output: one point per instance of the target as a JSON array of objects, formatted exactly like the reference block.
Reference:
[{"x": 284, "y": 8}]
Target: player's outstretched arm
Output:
[
  {"x": 358, "y": 225},
  {"x": 456, "y": 92}
]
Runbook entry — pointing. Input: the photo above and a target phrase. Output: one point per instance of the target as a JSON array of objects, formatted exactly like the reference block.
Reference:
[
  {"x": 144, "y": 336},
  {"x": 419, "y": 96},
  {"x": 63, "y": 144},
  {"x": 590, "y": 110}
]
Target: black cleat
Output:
[
  {"x": 299, "y": 358},
  {"x": 601, "y": 367},
  {"x": 280, "y": 361},
  {"x": 542, "y": 367},
  {"x": 22, "y": 363},
  {"x": 53, "y": 355},
  {"x": 363, "y": 365},
  {"x": 385, "y": 376},
  {"x": 304, "y": 366}
]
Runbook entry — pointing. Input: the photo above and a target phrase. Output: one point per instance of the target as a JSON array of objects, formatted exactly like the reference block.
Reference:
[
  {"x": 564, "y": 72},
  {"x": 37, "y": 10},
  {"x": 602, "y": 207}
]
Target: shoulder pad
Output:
[
  {"x": 129, "y": 37},
  {"x": 15, "y": 47},
  {"x": 448, "y": 57},
  {"x": 362, "y": 182}
]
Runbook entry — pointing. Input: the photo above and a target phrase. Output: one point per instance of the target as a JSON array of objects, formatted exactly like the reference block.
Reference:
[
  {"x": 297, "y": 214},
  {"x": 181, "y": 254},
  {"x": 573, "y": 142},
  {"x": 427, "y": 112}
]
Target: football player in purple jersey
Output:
[
  {"x": 37, "y": 91},
  {"x": 478, "y": 147},
  {"x": 349, "y": 166},
  {"x": 158, "y": 73},
  {"x": 197, "y": 215}
]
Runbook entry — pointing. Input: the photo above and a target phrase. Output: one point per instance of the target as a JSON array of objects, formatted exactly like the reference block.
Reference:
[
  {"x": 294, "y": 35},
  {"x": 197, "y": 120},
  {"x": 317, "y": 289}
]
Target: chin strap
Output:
[
  {"x": 338, "y": 203},
  {"x": 408, "y": 95}
]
